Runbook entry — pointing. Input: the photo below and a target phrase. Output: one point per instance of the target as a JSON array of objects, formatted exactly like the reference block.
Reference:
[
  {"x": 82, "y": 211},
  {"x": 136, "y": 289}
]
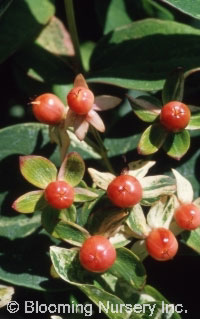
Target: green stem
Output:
[
  {"x": 69, "y": 8},
  {"x": 102, "y": 150}
]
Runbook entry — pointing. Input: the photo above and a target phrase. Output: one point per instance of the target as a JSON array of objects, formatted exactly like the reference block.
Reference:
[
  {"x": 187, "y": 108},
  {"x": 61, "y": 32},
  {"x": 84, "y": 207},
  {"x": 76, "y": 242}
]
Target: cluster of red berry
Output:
[
  {"x": 97, "y": 253},
  {"x": 49, "y": 109},
  {"x": 161, "y": 243}
]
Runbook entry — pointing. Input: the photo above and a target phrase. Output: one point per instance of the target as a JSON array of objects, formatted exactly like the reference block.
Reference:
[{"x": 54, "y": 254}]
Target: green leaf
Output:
[
  {"x": 19, "y": 226},
  {"x": 161, "y": 214},
  {"x": 38, "y": 170},
  {"x": 173, "y": 87},
  {"x": 137, "y": 222},
  {"x": 49, "y": 219},
  {"x": 139, "y": 249},
  {"x": 156, "y": 10},
  {"x": 85, "y": 211},
  {"x": 68, "y": 214},
  {"x": 86, "y": 52},
  {"x": 29, "y": 202},
  {"x": 152, "y": 139},
  {"x": 84, "y": 195},
  {"x": 120, "y": 146},
  {"x": 32, "y": 275},
  {"x": 192, "y": 239},
  {"x": 136, "y": 67},
  {"x": 115, "y": 13},
  {"x": 82, "y": 147},
  {"x": 72, "y": 169},
  {"x": 194, "y": 123},
  {"x": 129, "y": 268},
  {"x": 67, "y": 265},
  {"x": 156, "y": 186},
  {"x": 71, "y": 233},
  {"x": 32, "y": 14},
  {"x": 145, "y": 110},
  {"x": 177, "y": 145},
  {"x": 5, "y": 295},
  {"x": 191, "y": 8}
]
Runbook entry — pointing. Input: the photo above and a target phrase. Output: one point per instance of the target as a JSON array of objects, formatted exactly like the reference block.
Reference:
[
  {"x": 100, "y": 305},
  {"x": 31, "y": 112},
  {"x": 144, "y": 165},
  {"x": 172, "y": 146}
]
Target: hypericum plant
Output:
[
  {"x": 171, "y": 119},
  {"x": 117, "y": 211}
]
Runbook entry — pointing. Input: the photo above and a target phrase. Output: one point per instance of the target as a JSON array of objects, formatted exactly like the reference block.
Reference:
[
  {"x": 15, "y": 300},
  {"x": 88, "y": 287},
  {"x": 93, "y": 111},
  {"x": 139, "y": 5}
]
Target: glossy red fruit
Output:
[
  {"x": 125, "y": 191},
  {"x": 80, "y": 100},
  {"x": 97, "y": 254},
  {"x": 187, "y": 216},
  {"x": 48, "y": 109},
  {"x": 161, "y": 244},
  {"x": 59, "y": 194},
  {"x": 175, "y": 116}
]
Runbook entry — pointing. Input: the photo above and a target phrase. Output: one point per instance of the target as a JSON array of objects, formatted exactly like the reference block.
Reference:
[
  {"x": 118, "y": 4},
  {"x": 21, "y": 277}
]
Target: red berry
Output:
[
  {"x": 175, "y": 116},
  {"x": 187, "y": 216},
  {"x": 97, "y": 254},
  {"x": 125, "y": 191},
  {"x": 59, "y": 194},
  {"x": 80, "y": 100},
  {"x": 48, "y": 109},
  {"x": 161, "y": 244}
]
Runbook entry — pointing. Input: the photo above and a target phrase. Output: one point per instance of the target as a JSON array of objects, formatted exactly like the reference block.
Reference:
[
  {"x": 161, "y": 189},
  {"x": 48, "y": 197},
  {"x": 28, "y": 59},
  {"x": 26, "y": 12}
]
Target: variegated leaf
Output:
[
  {"x": 137, "y": 222},
  {"x": 71, "y": 233},
  {"x": 145, "y": 110},
  {"x": 30, "y": 202},
  {"x": 102, "y": 180},
  {"x": 194, "y": 123},
  {"x": 119, "y": 239},
  {"x": 152, "y": 139},
  {"x": 139, "y": 248},
  {"x": 161, "y": 214},
  {"x": 38, "y": 170},
  {"x": 82, "y": 146},
  {"x": 139, "y": 168},
  {"x": 192, "y": 239},
  {"x": 84, "y": 195},
  {"x": 69, "y": 269},
  {"x": 156, "y": 186},
  {"x": 72, "y": 169},
  {"x": 184, "y": 188},
  {"x": 68, "y": 214},
  {"x": 6, "y": 293}
]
